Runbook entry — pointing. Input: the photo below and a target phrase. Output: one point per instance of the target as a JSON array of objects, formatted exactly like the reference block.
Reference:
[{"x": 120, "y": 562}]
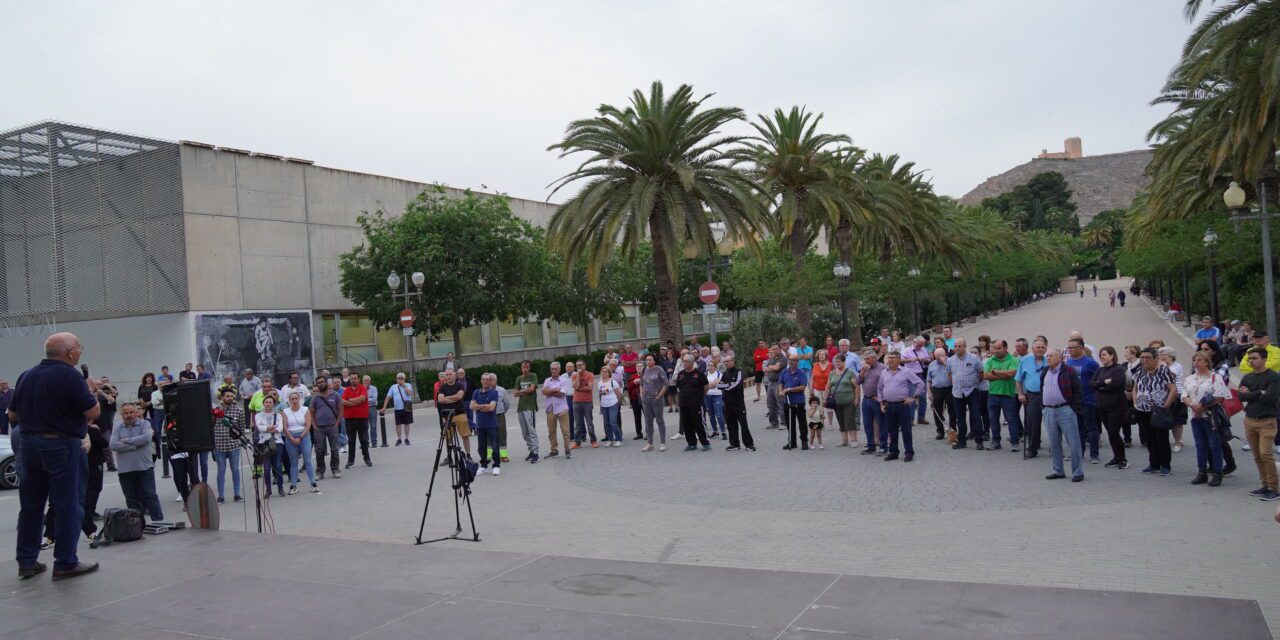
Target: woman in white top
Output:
[
  {"x": 610, "y": 409},
  {"x": 713, "y": 401},
  {"x": 270, "y": 426},
  {"x": 1205, "y": 382},
  {"x": 1169, "y": 358},
  {"x": 297, "y": 433}
]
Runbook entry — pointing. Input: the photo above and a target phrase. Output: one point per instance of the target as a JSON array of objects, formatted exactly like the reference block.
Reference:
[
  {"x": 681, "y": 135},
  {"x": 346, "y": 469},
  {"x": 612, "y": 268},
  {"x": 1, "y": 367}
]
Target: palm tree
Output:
[
  {"x": 798, "y": 170},
  {"x": 655, "y": 170},
  {"x": 1098, "y": 236}
]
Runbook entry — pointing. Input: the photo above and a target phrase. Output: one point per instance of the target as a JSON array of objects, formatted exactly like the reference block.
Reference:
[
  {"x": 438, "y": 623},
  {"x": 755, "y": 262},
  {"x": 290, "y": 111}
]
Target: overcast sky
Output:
[{"x": 472, "y": 93}]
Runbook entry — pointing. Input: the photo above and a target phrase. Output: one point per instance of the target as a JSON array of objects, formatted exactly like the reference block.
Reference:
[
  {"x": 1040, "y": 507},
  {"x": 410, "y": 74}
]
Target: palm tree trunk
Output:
[
  {"x": 670, "y": 328},
  {"x": 800, "y": 245},
  {"x": 844, "y": 242}
]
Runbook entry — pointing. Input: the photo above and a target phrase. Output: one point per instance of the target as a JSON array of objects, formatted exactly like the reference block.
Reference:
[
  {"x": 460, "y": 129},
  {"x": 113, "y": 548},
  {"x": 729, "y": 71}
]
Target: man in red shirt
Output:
[
  {"x": 831, "y": 348},
  {"x": 629, "y": 358},
  {"x": 759, "y": 356},
  {"x": 585, "y": 425},
  {"x": 355, "y": 410}
]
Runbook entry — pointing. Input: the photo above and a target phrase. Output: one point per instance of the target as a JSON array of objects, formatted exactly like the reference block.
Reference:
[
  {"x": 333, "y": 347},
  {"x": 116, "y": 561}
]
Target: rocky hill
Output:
[{"x": 1098, "y": 183}]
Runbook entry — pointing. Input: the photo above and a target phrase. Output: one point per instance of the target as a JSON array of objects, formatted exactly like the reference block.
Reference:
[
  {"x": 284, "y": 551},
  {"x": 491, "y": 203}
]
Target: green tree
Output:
[
  {"x": 656, "y": 170},
  {"x": 800, "y": 173},
  {"x": 475, "y": 253},
  {"x": 1043, "y": 202}
]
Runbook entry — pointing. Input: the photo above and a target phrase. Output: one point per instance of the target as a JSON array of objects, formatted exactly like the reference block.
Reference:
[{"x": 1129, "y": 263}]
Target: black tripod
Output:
[
  {"x": 249, "y": 447},
  {"x": 459, "y": 482}
]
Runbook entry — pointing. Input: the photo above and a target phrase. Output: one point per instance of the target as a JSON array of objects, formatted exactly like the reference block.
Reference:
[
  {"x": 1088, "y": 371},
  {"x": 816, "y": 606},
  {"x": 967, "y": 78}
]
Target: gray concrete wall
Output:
[{"x": 266, "y": 233}]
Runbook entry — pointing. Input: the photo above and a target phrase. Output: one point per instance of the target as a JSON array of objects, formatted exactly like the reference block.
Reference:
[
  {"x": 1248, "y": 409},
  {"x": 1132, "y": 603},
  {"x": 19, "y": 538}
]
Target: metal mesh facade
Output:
[{"x": 92, "y": 223}]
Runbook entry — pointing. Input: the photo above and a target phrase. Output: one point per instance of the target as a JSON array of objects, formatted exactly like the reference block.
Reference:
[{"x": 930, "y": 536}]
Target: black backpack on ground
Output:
[{"x": 118, "y": 525}]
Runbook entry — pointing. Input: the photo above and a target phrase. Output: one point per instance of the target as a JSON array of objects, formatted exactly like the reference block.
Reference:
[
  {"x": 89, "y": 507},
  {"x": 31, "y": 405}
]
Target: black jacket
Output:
[
  {"x": 1110, "y": 395},
  {"x": 691, "y": 387}
]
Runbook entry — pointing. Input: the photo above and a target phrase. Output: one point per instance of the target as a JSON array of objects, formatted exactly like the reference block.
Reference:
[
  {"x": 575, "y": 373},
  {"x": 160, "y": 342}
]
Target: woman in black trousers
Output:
[{"x": 1113, "y": 405}]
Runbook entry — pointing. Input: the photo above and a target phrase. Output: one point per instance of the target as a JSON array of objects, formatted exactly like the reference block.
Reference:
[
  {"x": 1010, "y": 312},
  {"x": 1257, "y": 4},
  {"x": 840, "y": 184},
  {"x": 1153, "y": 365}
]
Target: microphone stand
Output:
[{"x": 256, "y": 469}]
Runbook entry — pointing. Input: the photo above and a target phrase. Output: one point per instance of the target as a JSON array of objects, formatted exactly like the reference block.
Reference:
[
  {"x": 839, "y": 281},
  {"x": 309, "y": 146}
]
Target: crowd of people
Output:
[{"x": 70, "y": 428}]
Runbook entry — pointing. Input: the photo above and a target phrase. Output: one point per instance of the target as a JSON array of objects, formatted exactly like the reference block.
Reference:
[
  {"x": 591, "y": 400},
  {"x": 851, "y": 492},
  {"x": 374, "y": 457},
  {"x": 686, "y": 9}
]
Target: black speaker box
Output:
[{"x": 187, "y": 404}]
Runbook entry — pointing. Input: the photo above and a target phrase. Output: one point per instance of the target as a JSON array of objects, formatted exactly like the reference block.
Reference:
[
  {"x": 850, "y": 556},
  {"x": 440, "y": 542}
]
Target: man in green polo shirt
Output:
[
  {"x": 527, "y": 408},
  {"x": 1002, "y": 395}
]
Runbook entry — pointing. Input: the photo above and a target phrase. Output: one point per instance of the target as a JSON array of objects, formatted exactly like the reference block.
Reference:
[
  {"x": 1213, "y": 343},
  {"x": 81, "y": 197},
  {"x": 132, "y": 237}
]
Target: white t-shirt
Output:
[
  {"x": 301, "y": 390},
  {"x": 263, "y": 421},
  {"x": 295, "y": 422},
  {"x": 608, "y": 392},
  {"x": 713, "y": 377}
]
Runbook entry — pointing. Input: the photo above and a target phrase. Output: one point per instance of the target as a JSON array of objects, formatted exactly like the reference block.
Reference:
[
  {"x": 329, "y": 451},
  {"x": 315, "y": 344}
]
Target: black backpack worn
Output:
[{"x": 118, "y": 525}]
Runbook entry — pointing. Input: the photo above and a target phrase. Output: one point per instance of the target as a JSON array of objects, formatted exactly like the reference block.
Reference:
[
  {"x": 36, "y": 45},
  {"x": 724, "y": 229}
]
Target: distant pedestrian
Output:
[{"x": 1121, "y": 296}]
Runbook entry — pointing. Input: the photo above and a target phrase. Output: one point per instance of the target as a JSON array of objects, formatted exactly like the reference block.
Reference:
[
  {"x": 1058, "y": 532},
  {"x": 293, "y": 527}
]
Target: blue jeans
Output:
[
  {"x": 1090, "y": 430},
  {"x": 223, "y": 458},
  {"x": 969, "y": 411},
  {"x": 922, "y": 403},
  {"x": 342, "y": 432},
  {"x": 1208, "y": 446},
  {"x": 714, "y": 406},
  {"x": 612, "y": 418},
  {"x": 204, "y": 466},
  {"x": 1008, "y": 405},
  {"x": 897, "y": 418},
  {"x": 873, "y": 425},
  {"x": 1060, "y": 421},
  {"x": 139, "y": 489},
  {"x": 293, "y": 450},
  {"x": 53, "y": 472},
  {"x": 488, "y": 440}
]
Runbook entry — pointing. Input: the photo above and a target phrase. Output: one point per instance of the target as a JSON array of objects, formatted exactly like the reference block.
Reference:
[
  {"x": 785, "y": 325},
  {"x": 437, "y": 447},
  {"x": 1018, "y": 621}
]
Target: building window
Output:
[
  {"x": 510, "y": 335},
  {"x": 471, "y": 338},
  {"x": 564, "y": 335},
  {"x": 533, "y": 334},
  {"x": 329, "y": 337},
  {"x": 651, "y": 329},
  {"x": 391, "y": 345}
]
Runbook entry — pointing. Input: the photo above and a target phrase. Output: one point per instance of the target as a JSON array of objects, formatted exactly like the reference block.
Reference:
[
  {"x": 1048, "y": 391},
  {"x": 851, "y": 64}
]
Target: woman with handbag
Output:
[
  {"x": 297, "y": 423},
  {"x": 270, "y": 444},
  {"x": 1203, "y": 390},
  {"x": 821, "y": 376},
  {"x": 842, "y": 399},
  {"x": 1154, "y": 392},
  {"x": 1228, "y": 407},
  {"x": 1108, "y": 383}
]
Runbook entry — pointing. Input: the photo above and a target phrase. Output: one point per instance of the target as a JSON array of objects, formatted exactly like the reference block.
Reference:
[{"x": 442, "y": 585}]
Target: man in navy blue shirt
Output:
[
  {"x": 484, "y": 404},
  {"x": 52, "y": 403},
  {"x": 792, "y": 384},
  {"x": 1086, "y": 366}
]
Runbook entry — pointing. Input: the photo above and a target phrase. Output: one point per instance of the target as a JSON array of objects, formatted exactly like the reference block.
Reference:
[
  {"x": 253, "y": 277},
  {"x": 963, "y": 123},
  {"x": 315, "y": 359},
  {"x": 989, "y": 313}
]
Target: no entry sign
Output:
[
  {"x": 709, "y": 292},
  {"x": 406, "y": 318}
]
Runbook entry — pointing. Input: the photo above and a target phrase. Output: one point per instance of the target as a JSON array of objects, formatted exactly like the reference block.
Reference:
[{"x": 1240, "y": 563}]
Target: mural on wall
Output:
[{"x": 269, "y": 342}]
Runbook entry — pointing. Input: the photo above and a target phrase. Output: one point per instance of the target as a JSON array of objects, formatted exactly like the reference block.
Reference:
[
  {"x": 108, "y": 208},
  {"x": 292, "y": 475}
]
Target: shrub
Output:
[{"x": 761, "y": 325}]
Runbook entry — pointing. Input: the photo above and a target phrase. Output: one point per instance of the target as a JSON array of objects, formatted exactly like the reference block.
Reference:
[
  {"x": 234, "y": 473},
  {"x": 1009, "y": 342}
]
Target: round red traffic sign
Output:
[
  {"x": 406, "y": 318},
  {"x": 709, "y": 292}
]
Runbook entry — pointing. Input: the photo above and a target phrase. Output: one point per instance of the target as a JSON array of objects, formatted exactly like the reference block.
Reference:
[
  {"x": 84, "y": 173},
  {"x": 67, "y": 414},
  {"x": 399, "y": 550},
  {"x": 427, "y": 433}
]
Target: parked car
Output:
[{"x": 8, "y": 465}]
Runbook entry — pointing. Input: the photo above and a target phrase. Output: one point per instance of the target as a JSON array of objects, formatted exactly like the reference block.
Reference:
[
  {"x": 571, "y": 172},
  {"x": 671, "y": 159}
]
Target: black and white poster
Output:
[{"x": 273, "y": 343}]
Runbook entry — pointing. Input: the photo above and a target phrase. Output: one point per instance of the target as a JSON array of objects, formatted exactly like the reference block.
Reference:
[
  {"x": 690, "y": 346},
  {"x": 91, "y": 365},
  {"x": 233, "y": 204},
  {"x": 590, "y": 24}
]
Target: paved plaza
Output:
[{"x": 828, "y": 527}]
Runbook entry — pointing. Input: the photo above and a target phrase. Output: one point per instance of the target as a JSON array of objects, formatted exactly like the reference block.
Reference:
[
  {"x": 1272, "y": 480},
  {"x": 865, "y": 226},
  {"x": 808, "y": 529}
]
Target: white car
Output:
[{"x": 8, "y": 465}]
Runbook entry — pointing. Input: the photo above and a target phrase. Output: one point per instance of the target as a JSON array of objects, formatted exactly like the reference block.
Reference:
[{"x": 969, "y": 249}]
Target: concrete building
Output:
[{"x": 162, "y": 253}]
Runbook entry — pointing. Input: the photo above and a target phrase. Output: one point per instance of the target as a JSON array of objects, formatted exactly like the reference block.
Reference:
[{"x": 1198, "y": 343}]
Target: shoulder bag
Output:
[{"x": 1161, "y": 419}]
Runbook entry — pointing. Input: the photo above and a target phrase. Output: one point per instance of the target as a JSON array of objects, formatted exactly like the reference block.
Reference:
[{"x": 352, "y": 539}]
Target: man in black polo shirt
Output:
[
  {"x": 691, "y": 388},
  {"x": 52, "y": 403}
]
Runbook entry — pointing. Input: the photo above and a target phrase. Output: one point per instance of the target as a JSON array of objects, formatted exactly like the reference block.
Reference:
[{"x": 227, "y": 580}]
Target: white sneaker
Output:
[
  {"x": 1246, "y": 447},
  {"x": 662, "y": 447},
  {"x": 617, "y": 444},
  {"x": 647, "y": 448},
  {"x": 497, "y": 471},
  {"x": 342, "y": 450},
  {"x": 484, "y": 471},
  {"x": 1177, "y": 448},
  {"x": 676, "y": 437},
  {"x": 178, "y": 499}
]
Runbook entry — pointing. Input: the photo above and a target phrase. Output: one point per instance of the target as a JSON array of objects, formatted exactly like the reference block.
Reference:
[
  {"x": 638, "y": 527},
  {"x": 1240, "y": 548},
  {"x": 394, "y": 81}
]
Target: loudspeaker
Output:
[{"x": 187, "y": 404}]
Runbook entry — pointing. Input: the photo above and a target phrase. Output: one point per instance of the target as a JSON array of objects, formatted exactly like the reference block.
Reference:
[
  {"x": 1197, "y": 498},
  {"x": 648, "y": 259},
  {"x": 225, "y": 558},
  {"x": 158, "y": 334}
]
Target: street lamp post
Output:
[
  {"x": 1234, "y": 198},
  {"x": 955, "y": 278},
  {"x": 1211, "y": 243},
  {"x": 394, "y": 281},
  {"x": 842, "y": 271},
  {"x": 915, "y": 301},
  {"x": 984, "y": 295}
]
